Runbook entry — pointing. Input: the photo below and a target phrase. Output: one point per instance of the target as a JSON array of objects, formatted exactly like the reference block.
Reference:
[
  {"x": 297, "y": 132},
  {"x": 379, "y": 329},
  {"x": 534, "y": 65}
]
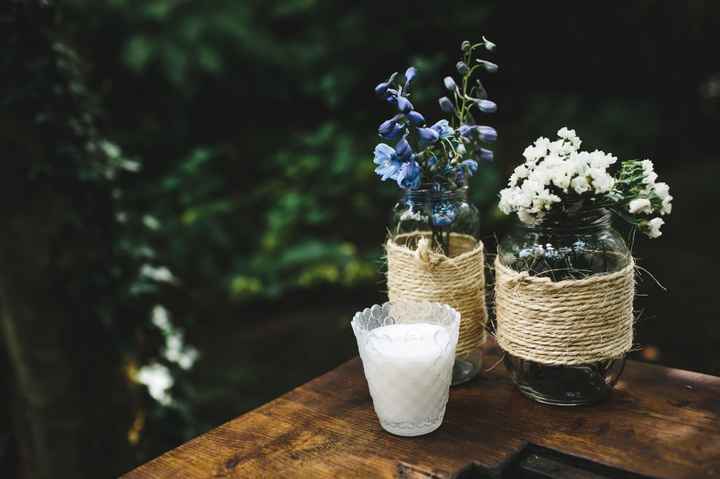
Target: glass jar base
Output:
[
  {"x": 570, "y": 385},
  {"x": 566, "y": 402},
  {"x": 466, "y": 367},
  {"x": 412, "y": 430}
]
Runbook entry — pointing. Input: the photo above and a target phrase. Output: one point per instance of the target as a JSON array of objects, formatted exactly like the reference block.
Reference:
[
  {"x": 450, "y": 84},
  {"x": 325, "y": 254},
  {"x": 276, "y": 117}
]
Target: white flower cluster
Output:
[
  {"x": 643, "y": 205},
  {"x": 554, "y": 171},
  {"x": 552, "y": 168}
]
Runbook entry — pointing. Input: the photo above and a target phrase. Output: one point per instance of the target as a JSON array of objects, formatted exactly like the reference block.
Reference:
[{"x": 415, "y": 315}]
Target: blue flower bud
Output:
[
  {"x": 404, "y": 104},
  {"x": 466, "y": 130},
  {"x": 471, "y": 165},
  {"x": 381, "y": 89},
  {"x": 490, "y": 46},
  {"x": 416, "y": 118},
  {"x": 390, "y": 129},
  {"x": 486, "y": 106},
  {"x": 485, "y": 154},
  {"x": 432, "y": 161},
  {"x": 449, "y": 83},
  {"x": 486, "y": 133},
  {"x": 446, "y": 105},
  {"x": 462, "y": 68},
  {"x": 428, "y": 136},
  {"x": 489, "y": 66},
  {"x": 410, "y": 74},
  {"x": 403, "y": 150}
]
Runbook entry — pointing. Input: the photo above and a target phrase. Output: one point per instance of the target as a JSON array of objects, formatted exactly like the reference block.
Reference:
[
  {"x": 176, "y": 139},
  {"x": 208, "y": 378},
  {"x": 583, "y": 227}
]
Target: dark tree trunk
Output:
[{"x": 73, "y": 402}]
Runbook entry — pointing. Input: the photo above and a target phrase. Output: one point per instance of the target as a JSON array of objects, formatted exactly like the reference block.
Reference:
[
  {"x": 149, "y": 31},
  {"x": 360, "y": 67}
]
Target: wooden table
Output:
[{"x": 660, "y": 422}]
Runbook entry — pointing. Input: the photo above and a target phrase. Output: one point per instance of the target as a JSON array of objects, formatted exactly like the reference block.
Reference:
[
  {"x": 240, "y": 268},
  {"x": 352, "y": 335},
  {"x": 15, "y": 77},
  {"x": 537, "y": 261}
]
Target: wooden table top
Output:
[{"x": 659, "y": 422}]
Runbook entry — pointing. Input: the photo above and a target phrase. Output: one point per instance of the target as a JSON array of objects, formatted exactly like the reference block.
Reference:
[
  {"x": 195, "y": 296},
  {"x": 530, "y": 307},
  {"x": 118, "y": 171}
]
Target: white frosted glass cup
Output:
[{"x": 407, "y": 350}]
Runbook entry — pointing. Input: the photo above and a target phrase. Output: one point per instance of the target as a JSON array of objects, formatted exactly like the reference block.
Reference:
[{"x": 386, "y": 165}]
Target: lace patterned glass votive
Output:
[{"x": 408, "y": 350}]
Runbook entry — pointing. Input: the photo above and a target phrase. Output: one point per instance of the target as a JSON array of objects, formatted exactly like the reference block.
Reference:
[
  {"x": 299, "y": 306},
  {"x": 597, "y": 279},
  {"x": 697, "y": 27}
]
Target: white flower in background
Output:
[
  {"x": 653, "y": 227},
  {"x": 640, "y": 205},
  {"x": 557, "y": 171},
  {"x": 161, "y": 318},
  {"x": 158, "y": 380},
  {"x": 175, "y": 349},
  {"x": 160, "y": 274}
]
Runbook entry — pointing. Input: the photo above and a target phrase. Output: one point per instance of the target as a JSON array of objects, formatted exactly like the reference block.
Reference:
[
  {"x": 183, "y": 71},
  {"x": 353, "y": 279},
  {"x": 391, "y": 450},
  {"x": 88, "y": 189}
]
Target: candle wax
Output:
[{"x": 409, "y": 367}]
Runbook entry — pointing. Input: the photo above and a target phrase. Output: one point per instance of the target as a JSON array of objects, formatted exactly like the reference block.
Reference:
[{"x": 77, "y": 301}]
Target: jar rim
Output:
[
  {"x": 584, "y": 218},
  {"x": 428, "y": 192}
]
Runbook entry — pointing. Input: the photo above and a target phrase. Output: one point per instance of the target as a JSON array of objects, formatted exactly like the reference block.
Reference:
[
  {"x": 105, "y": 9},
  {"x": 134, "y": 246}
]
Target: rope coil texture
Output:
[
  {"x": 567, "y": 322},
  {"x": 422, "y": 274}
]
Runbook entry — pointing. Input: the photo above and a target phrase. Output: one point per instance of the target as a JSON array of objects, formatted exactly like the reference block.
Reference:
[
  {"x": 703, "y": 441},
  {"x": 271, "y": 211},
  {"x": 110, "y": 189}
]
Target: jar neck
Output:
[
  {"x": 428, "y": 195},
  {"x": 573, "y": 218}
]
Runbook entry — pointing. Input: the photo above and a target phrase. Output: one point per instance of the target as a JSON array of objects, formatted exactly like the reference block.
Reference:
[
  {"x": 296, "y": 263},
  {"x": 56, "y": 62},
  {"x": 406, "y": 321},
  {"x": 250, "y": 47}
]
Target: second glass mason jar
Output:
[
  {"x": 576, "y": 243},
  {"x": 451, "y": 223}
]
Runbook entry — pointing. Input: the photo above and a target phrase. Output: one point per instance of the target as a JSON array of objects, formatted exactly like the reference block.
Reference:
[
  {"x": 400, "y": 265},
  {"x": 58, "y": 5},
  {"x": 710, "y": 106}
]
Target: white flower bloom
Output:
[
  {"x": 647, "y": 166},
  {"x": 580, "y": 184},
  {"x": 562, "y": 179},
  {"x": 600, "y": 159},
  {"x": 529, "y": 218},
  {"x": 662, "y": 190},
  {"x": 640, "y": 205},
  {"x": 602, "y": 182},
  {"x": 653, "y": 227},
  {"x": 666, "y": 205},
  {"x": 522, "y": 171}
]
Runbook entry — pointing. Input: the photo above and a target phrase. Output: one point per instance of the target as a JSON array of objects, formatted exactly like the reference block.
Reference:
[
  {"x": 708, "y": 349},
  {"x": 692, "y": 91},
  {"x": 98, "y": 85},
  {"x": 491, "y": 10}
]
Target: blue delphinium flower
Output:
[
  {"x": 485, "y": 154},
  {"x": 443, "y": 129},
  {"x": 486, "y": 133},
  {"x": 486, "y": 106},
  {"x": 382, "y": 88},
  {"x": 387, "y": 161},
  {"x": 403, "y": 150},
  {"x": 446, "y": 105},
  {"x": 471, "y": 165},
  {"x": 410, "y": 175},
  {"x": 404, "y": 105},
  {"x": 409, "y": 75},
  {"x": 416, "y": 118},
  {"x": 390, "y": 129},
  {"x": 466, "y": 130},
  {"x": 427, "y": 136}
]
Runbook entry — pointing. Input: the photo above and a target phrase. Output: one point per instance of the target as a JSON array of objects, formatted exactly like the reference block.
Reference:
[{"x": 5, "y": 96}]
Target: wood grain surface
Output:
[{"x": 659, "y": 422}]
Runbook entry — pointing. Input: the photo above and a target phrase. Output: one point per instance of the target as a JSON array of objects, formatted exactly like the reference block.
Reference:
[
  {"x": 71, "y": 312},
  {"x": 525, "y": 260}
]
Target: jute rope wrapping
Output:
[
  {"x": 565, "y": 322},
  {"x": 422, "y": 274}
]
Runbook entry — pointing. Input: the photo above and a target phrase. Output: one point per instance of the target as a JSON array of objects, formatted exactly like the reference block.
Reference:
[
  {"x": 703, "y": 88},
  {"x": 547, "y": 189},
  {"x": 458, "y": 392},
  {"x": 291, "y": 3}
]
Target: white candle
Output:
[{"x": 408, "y": 367}]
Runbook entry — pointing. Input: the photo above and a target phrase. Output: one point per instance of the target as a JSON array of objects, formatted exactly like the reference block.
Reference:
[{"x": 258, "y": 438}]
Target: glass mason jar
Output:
[
  {"x": 574, "y": 244},
  {"x": 452, "y": 224}
]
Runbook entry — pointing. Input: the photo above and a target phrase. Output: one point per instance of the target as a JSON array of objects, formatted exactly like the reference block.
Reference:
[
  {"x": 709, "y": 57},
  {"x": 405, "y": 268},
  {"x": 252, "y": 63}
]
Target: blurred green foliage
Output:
[{"x": 252, "y": 124}]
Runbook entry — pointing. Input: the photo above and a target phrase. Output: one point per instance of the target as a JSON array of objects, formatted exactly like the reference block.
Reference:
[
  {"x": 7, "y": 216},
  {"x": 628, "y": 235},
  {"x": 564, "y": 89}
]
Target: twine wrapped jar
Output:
[
  {"x": 433, "y": 254},
  {"x": 564, "y": 293}
]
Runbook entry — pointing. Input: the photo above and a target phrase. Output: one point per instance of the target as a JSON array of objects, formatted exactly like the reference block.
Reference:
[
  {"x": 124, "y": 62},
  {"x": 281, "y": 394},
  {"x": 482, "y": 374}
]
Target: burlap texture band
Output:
[
  {"x": 416, "y": 272},
  {"x": 567, "y": 322}
]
